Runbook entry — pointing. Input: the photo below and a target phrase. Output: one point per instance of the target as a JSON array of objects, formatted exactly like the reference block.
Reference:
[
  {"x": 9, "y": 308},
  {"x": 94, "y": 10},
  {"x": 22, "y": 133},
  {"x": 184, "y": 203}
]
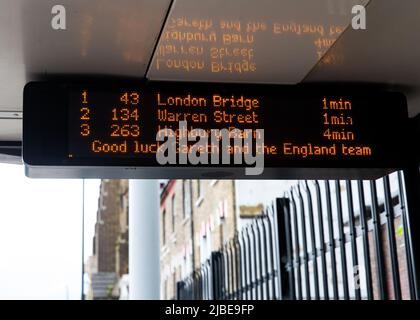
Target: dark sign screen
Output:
[{"x": 292, "y": 127}]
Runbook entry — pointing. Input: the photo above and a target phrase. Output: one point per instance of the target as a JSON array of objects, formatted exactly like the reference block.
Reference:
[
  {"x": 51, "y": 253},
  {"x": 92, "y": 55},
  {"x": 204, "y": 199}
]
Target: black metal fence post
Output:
[
  {"x": 341, "y": 240},
  {"x": 331, "y": 240},
  {"x": 365, "y": 240},
  {"x": 314, "y": 255},
  {"x": 216, "y": 279},
  {"x": 389, "y": 213},
  {"x": 296, "y": 249},
  {"x": 180, "y": 285},
  {"x": 305, "y": 253},
  {"x": 412, "y": 188},
  {"x": 322, "y": 248},
  {"x": 286, "y": 275},
  {"x": 407, "y": 240},
  {"x": 353, "y": 236},
  {"x": 377, "y": 234}
]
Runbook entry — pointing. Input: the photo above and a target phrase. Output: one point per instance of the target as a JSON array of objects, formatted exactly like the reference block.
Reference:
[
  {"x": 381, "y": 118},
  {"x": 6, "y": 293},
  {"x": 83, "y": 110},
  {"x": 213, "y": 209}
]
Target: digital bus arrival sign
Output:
[{"x": 109, "y": 130}]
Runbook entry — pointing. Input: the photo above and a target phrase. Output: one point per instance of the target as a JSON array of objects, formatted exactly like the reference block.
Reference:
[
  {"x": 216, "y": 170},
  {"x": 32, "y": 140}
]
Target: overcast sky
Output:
[{"x": 40, "y": 234}]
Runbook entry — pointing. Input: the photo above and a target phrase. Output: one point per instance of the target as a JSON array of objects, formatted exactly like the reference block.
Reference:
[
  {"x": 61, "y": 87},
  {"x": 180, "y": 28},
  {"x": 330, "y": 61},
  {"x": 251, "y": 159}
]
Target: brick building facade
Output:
[
  {"x": 110, "y": 242},
  {"x": 197, "y": 217}
]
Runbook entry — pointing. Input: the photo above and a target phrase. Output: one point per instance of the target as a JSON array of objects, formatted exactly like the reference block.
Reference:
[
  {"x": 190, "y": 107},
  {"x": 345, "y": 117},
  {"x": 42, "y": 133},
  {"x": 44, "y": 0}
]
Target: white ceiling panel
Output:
[
  {"x": 387, "y": 52},
  {"x": 102, "y": 37},
  {"x": 266, "y": 41}
]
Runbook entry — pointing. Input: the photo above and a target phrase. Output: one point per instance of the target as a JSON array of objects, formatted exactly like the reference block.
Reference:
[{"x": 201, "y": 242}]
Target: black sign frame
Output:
[{"x": 45, "y": 137}]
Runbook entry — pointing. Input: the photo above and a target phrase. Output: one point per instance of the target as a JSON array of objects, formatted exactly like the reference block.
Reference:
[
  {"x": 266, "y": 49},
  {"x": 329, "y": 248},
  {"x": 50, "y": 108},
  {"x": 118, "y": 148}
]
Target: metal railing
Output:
[
  {"x": 244, "y": 268},
  {"x": 329, "y": 239}
]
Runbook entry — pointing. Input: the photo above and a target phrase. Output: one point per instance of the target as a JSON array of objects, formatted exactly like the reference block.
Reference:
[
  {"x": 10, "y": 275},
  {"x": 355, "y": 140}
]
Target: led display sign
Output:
[{"x": 117, "y": 130}]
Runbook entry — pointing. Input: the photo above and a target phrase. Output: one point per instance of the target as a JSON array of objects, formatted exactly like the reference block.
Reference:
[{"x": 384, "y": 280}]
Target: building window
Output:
[
  {"x": 163, "y": 227},
  {"x": 186, "y": 196},
  {"x": 173, "y": 212},
  {"x": 205, "y": 247}
]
